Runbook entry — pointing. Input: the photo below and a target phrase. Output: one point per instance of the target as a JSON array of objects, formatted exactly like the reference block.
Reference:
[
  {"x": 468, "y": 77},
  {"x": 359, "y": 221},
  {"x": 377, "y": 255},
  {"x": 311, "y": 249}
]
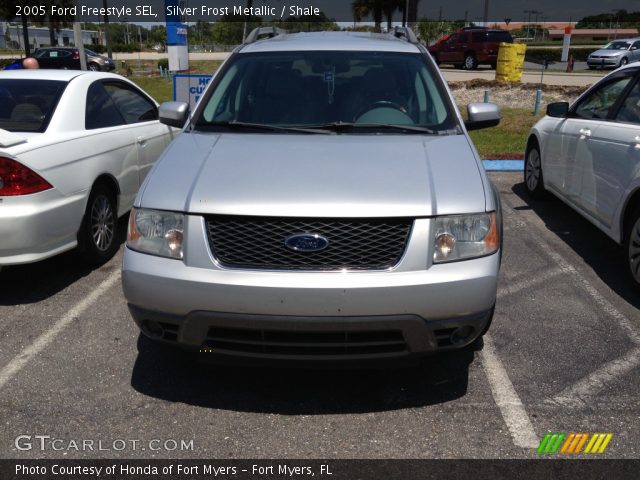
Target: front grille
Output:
[
  {"x": 311, "y": 344},
  {"x": 354, "y": 244}
]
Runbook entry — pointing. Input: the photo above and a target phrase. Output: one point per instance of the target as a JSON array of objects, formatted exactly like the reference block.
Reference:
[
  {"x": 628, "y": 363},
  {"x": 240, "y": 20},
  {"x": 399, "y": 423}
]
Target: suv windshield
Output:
[
  {"x": 27, "y": 105},
  {"x": 327, "y": 89}
]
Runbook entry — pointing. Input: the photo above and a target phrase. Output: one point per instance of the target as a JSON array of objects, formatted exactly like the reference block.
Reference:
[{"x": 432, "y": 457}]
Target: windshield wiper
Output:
[
  {"x": 235, "y": 125},
  {"x": 348, "y": 126}
]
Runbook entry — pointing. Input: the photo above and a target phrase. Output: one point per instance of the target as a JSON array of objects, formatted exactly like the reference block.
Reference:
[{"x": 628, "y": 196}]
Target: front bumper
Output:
[
  {"x": 603, "y": 62},
  {"x": 411, "y": 312}
]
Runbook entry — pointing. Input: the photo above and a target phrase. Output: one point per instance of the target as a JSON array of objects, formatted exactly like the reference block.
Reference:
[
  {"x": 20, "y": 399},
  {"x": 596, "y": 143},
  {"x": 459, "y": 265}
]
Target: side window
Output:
[
  {"x": 463, "y": 38},
  {"x": 101, "y": 112},
  {"x": 598, "y": 103},
  {"x": 133, "y": 106},
  {"x": 635, "y": 46},
  {"x": 455, "y": 38},
  {"x": 630, "y": 108},
  {"x": 478, "y": 37}
]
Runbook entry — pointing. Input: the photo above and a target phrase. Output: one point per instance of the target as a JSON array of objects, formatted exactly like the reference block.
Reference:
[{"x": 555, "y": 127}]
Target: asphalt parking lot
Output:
[{"x": 563, "y": 355}]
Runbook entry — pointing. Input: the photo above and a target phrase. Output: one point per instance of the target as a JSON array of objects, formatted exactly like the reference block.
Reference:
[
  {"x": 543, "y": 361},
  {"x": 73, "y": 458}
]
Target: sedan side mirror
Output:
[
  {"x": 558, "y": 109},
  {"x": 174, "y": 114},
  {"x": 482, "y": 115}
]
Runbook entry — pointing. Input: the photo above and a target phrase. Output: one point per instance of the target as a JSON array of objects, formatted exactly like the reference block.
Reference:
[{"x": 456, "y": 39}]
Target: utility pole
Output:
[
  {"x": 77, "y": 38},
  {"x": 106, "y": 30},
  {"x": 485, "y": 17}
]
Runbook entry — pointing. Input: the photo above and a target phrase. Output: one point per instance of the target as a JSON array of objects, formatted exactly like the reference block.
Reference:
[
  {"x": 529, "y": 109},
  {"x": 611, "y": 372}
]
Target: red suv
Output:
[{"x": 470, "y": 47}]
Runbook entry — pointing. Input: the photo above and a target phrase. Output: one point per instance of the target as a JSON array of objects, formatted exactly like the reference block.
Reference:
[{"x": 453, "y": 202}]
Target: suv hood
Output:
[{"x": 295, "y": 175}]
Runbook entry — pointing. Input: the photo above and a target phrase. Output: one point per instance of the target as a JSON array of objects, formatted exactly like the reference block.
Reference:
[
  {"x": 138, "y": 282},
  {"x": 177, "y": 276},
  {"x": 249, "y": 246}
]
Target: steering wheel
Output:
[{"x": 385, "y": 104}]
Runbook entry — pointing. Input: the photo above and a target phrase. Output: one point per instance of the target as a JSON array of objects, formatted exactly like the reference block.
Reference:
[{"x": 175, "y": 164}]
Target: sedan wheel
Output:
[
  {"x": 97, "y": 238},
  {"x": 624, "y": 61},
  {"x": 533, "y": 172},
  {"x": 632, "y": 249},
  {"x": 93, "y": 67}
]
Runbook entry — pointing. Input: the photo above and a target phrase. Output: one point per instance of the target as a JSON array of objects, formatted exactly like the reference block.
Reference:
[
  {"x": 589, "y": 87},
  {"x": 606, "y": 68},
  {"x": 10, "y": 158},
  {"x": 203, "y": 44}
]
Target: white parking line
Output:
[
  {"x": 510, "y": 289},
  {"x": 602, "y": 302},
  {"x": 583, "y": 389},
  {"x": 40, "y": 343},
  {"x": 506, "y": 398},
  {"x": 580, "y": 392}
]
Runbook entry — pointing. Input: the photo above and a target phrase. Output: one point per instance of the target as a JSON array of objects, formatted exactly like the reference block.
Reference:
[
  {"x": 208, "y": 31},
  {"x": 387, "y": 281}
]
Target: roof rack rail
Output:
[
  {"x": 406, "y": 33},
  {"x": 263, "y": 32}
]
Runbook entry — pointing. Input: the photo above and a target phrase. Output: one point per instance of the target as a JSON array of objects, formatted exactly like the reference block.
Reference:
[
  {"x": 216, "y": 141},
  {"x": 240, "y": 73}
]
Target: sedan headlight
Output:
[
  {"x": 156, "y": 232},
  {"x": 460, "y": 237}
]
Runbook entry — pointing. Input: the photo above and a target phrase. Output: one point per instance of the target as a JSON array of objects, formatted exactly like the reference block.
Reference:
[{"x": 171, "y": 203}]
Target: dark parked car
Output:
[
  {"x": 68, "y": 58},
  {"x": 470, "y": 47}
]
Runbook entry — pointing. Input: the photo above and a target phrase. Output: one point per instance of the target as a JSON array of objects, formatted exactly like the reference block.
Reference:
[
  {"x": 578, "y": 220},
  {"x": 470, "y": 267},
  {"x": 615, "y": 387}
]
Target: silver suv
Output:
[{"x": 324, "y": 202}]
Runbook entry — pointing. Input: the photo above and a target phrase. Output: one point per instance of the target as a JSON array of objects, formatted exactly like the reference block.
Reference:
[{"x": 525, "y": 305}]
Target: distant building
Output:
[
  {"x": 597, "y": 34},
  {"x": 11, "y": 36}
]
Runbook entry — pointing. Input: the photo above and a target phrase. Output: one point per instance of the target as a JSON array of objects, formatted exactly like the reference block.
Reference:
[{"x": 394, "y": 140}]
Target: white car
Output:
[
  {"x": 588, "y": 155},
  {"x": 74, "y": 149}
]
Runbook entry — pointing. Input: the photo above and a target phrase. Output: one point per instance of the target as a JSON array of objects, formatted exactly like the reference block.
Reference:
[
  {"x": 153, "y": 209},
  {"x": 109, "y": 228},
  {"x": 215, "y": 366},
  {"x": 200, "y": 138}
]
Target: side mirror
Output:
[
  {"x": 174, "y": 114},
  {"x": 482, "y": 115},
  {"x": 558, "y": 109}
]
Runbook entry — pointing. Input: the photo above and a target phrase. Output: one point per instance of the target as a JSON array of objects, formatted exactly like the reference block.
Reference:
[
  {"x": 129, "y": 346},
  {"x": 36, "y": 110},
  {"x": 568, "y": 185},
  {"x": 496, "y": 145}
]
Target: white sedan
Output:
[
  {"x": 74, "y": 150},
  {"x": 588, "y": 155}
]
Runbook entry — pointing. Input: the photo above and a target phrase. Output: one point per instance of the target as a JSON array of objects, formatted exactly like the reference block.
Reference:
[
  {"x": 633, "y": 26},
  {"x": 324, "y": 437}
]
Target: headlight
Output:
[
  {"x": 156, "y": 232},
  {"x": 460, "y": 237}
]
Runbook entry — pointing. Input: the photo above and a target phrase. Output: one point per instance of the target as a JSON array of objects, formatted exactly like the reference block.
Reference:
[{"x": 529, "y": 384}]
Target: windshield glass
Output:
[
  {"x": 321, "y": 88},
  {"x": 27, "y": 105},
  {"x": 618, "y": 46}
]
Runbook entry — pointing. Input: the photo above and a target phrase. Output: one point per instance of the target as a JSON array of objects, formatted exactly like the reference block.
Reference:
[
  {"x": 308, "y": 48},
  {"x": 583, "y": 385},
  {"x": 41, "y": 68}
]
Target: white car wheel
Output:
[
  {"x": 632, "y": 248},
  {"x": 533, "y": 172}
]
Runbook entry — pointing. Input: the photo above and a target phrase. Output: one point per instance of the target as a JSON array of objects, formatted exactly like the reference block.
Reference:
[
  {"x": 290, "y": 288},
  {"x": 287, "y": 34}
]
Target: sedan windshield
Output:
[
  {"x": 27, "y": 105},
  {"x": 337, "y": 91},
  {"x": 618, "y": 46}
]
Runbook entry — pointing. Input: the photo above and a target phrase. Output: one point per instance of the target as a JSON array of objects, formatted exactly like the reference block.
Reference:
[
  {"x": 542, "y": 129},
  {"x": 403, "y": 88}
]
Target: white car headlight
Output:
[
  {"x": 156, "y": 232},
  {"x": 460, "y": 237}
]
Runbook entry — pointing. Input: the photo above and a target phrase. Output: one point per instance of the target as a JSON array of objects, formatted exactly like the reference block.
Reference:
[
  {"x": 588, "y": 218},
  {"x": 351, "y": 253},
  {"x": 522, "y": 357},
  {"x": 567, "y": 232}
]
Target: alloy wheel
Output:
[
  {"x": 102, "y": 223},
  {"x": 634, "y": 251},
  {"x": 532, "y": 169}
]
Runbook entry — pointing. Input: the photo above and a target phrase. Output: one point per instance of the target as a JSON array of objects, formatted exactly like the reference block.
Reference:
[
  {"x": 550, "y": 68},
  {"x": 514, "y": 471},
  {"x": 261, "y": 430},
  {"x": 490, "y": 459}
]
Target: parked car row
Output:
[
  {"x": 324, "y": 201},
  {"x": 68, "y": 58}
]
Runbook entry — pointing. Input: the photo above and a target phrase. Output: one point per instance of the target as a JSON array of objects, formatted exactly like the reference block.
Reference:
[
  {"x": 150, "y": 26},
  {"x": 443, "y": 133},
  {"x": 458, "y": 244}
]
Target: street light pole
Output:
[
  {"x": 106, "y": 30},
  {"x": 486, "y": 13}
]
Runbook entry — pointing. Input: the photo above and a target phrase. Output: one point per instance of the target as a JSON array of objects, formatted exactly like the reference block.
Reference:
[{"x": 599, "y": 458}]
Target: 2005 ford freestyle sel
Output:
[{"x": 324, "y": 202}]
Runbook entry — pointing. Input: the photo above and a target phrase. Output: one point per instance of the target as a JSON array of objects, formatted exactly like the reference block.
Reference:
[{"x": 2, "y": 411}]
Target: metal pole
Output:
[
  {"x": 77, "y": 37},
  {"x": 106, "y": 30},
  {"x": 486, "y": 13}
]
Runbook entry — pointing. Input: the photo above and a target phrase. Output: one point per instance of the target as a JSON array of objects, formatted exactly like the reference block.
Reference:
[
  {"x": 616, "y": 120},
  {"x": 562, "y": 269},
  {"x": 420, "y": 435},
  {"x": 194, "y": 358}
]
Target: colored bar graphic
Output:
[
  {"x": 572, "y": 443},
  {"x": 550, "y": 443}
]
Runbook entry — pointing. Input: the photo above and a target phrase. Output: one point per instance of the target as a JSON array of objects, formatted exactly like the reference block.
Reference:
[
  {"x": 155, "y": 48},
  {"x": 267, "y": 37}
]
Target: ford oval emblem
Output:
[{"x": 306, "y": 242}]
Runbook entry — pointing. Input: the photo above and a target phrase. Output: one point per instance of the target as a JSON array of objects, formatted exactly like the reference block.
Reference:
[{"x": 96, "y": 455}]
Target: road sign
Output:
[{"x": 189, "y": 88}]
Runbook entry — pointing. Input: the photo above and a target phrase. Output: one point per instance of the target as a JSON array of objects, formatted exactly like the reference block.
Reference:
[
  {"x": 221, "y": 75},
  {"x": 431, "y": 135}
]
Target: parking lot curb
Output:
[{"x": 503, "y": 165}]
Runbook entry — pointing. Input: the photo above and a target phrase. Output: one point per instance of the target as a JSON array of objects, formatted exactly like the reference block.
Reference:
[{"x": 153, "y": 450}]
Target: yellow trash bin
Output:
[{"x": 510, "y": 62}]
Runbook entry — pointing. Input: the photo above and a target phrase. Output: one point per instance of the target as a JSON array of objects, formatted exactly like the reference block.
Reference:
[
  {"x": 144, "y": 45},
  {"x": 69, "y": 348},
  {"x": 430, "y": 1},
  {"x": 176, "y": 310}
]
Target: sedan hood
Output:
[
  {"x": 607, "y": 53},
  {"x": 317, "y": 175}
]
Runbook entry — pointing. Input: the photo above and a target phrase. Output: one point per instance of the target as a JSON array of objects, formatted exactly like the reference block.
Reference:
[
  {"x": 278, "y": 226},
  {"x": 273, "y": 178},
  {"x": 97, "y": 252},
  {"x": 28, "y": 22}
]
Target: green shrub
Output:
[
  {"x": 539, "y": 55},
  {"x": 100, "y": 49},
  {"x": 164, "y": 63}
]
